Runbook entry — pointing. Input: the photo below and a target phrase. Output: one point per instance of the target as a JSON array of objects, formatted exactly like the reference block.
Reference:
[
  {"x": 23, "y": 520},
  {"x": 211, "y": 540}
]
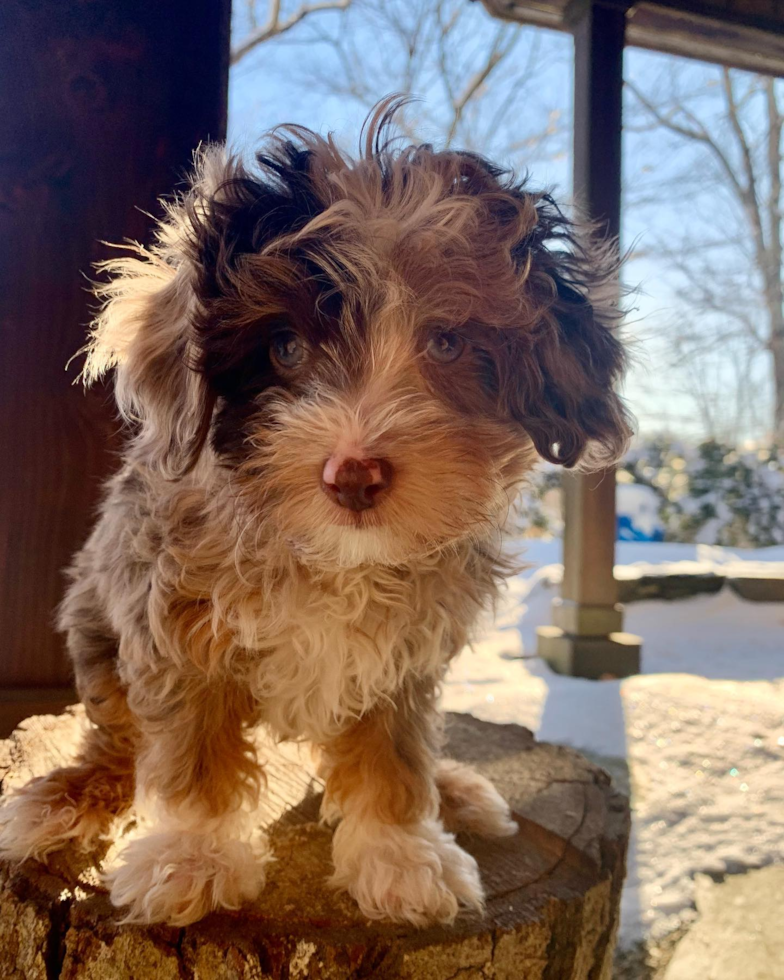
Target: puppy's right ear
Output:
[
  {"x": 144, "y": 330},
  {"x": 564, "y": 372}
]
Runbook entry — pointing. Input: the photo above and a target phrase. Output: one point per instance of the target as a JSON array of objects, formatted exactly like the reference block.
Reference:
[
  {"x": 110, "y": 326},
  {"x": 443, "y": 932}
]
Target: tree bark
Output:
[
  {"x": 553, "y": 890},
  {"x": 777, "y": 350},
  {"x": 774, "y": 290}
]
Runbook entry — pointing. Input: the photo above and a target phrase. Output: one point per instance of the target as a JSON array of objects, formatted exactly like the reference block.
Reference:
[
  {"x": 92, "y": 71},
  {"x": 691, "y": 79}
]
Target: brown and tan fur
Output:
[{"x": 223, "y": 587}]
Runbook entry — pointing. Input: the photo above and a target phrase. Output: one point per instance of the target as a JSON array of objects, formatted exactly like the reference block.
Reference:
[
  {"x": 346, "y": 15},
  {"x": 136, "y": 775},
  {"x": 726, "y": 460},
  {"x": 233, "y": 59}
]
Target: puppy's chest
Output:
[{"x": 318, "y": 656}]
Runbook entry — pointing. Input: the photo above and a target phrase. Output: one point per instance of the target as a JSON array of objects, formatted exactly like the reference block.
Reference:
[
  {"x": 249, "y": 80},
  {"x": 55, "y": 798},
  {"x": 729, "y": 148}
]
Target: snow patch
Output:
[{"x": 701, "y": 729}]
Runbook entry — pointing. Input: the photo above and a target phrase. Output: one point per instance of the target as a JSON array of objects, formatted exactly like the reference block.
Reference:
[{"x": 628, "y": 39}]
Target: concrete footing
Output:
[{"x": 593, "y": 657}]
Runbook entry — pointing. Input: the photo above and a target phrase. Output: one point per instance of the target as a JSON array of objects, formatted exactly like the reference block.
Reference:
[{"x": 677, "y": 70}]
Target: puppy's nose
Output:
[{"x": 356, "y": 483}]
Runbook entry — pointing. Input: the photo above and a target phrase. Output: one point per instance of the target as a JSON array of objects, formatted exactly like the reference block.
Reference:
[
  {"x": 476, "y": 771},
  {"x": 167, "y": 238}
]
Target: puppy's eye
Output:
[
  {"x": 287, "y": 350},
  {"x": 445, "y": 346}
]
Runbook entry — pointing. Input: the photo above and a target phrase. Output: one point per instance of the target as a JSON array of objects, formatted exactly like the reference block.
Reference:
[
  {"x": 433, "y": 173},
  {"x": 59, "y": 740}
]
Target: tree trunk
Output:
[
  {"x": 777, "y": 350},
  {"x": 553, "y": 890}
]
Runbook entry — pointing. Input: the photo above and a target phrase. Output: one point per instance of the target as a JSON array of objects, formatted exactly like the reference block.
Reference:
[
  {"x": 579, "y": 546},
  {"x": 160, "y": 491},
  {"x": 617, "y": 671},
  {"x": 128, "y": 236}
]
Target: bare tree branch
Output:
[
  {"x": 274, "y": 26},
  {"x": 750, "y": 160},
  {"x": 697, "y": 132},
  {"x": 496, "y": 55},
  {"x": 749, "y": 196},
  {"x": 429, "y": 48},
  {"x": 775, "y": 123}
]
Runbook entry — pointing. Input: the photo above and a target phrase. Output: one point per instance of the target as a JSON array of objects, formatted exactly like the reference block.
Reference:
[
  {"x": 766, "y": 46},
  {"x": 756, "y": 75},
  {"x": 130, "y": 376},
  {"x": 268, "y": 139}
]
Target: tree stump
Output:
[{"x": 553, "y": 891}]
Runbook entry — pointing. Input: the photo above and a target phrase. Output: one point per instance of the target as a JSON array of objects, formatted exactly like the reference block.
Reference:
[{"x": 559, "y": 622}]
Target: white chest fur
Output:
[{"x": 319, "y": 651}]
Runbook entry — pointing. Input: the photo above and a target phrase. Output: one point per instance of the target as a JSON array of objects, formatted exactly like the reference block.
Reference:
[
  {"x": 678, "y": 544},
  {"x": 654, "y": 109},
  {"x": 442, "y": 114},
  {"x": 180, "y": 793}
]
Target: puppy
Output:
[{"x": 337, "y": 374}]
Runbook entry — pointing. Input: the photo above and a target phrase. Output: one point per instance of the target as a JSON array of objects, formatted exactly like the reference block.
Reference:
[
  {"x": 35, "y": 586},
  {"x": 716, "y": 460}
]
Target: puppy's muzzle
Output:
[{"x": 356, "y": 483}]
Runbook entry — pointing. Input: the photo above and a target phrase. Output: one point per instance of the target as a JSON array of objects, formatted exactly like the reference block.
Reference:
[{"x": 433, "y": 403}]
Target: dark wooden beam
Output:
[
  {"x": 746, "y": 34},
  {"x": 102, "y": 103},
  {"x": 598, "y": 29},
  {"x": 753, "y": 44},
  {"x": 763, "y": 15},
  {"x": 587, "y": 639},
  {"x": 18, "y": 703}
]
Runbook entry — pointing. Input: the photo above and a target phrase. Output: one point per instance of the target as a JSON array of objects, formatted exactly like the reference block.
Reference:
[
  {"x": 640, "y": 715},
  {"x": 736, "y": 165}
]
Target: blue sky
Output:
[{"x": 523, "y": 119}]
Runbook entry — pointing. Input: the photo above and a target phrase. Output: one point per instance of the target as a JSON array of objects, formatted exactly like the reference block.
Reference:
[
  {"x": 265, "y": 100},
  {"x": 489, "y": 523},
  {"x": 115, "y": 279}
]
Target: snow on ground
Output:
[{"x": 701, "y": 729}]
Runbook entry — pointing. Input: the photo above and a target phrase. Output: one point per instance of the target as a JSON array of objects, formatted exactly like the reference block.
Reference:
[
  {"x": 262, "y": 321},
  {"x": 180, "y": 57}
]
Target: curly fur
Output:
[{"x": 221, "y": 588}]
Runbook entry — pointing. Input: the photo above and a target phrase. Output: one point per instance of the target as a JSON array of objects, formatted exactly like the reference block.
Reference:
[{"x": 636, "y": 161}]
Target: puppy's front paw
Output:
[
  {"x": 470, "y": 802},
  {"x": 414, "y": 873},
  {"x": 48, "y": 814},
  {"x": 180, "y": 876}
]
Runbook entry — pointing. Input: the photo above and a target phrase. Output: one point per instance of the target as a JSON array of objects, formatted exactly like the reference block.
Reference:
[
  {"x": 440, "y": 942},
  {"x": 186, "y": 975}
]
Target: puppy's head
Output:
[{"x": 376, "y": 348}]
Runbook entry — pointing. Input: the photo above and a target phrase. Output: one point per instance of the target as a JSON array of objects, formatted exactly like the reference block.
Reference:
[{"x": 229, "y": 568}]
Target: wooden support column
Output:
[
  {"x": 586, "y": 639},
  {"x": 102, "y": 104}
]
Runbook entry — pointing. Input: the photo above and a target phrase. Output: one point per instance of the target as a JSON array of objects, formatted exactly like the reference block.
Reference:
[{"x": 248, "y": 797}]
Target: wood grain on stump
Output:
[{"x": 553, "y": 891}]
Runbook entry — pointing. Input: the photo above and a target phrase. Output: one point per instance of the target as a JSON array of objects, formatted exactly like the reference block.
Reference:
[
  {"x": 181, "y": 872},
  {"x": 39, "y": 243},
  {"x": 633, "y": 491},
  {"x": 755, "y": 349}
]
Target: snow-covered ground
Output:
[{"x": 701, "y": 728}]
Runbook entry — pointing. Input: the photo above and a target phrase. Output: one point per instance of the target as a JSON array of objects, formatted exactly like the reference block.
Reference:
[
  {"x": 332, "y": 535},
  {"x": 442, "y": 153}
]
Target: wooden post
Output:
[
  {"x": 586, "y": 639},
  {"x": 101, "y": 106}
]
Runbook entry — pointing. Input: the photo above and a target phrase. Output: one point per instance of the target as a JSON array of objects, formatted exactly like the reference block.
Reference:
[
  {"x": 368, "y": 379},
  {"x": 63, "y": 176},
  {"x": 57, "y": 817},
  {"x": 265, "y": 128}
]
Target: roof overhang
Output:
[{"x": 722, "y": 31}]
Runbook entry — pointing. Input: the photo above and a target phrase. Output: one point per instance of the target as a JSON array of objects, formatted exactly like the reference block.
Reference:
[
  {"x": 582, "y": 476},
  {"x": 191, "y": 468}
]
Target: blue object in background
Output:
[{"x": 637, "y": 508}]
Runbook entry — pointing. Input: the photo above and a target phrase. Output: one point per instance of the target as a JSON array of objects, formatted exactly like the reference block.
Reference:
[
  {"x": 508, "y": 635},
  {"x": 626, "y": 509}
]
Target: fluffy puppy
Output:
[{"x": 337, "y": 373}]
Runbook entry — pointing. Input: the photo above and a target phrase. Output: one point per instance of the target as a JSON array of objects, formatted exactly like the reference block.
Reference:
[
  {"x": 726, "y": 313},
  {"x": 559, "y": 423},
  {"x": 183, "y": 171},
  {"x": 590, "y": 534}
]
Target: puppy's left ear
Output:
[
  {"x": 145, "y": 331},
  {"x": 560, "y": 381}
]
